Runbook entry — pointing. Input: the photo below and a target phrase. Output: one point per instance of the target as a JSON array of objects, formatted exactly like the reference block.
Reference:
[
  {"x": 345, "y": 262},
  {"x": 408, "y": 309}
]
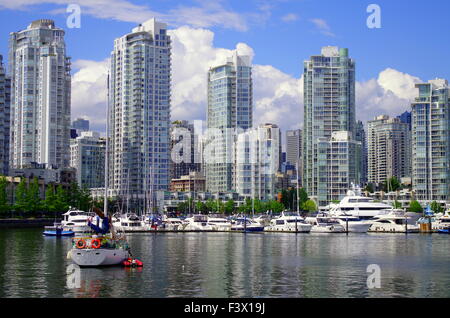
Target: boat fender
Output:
[
  {"x": 95, "y": 243},
  {"x": 81, "y": 244}
]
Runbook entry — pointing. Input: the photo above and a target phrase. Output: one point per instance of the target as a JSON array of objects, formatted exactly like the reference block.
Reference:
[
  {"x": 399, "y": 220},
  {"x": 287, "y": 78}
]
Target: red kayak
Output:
[{"x": 132, "y": 262}]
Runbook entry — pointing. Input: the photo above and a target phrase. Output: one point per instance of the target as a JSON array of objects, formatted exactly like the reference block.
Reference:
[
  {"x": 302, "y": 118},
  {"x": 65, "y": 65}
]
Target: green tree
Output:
[
  {"x": 34, "y": 202},
  {"x": 50, "y": 203},
  {"x": 369, "y": 188},
  {"x": 230, "y": 207},
  {"x": 62, "y": 201},
  {"x": 392, "y": 184},
  {"x": 84, "y": 199},
  {"x": 309, "y": 206},
  {"x": 275, "y": 206},
  {"x": 211, "y": 206},
  {"x": 415, "y": 206},
  {"x": 20, "y": 203},
  {"x": 436, "y": 207},
  {"x": 4, "y": 204}
]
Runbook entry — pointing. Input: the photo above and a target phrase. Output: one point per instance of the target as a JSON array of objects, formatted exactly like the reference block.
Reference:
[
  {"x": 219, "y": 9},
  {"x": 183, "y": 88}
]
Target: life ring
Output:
[
  {"x": 95, "y": 243},
  {"x": 81, "y": 244}
]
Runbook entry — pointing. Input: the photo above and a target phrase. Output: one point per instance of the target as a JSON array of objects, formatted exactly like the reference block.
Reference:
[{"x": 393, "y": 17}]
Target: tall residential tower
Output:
[
  {"x": 329, "y": 106},
  {"x": 431, "y": 141},
  {"x": 5, "y": 107},
  {"x": 40, "y": 96},
  {"x": 139, "y": 112},
  {"x": 230, "y": 108}
]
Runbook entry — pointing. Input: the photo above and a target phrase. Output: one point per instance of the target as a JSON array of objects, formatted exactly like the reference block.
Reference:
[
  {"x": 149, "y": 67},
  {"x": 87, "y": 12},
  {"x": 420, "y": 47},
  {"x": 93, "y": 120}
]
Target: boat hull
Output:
[
  {"x": 301, "y": 228},
  {"x": 327, "y": 229},
  {"x": 356, "y": 227},
  {"x": 98, "y": 257},
  {"x": 58, "y": 234}
]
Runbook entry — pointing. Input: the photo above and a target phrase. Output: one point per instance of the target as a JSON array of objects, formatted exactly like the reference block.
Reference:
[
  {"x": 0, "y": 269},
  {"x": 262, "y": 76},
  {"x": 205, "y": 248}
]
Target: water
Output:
[{"x": 234, "y": 265}]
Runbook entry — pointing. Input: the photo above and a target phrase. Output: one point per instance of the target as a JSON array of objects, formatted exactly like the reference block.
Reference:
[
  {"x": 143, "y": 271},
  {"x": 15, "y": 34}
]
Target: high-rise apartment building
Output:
[
  {"x": 360, "y": 135},
  {"x": 230, "y": 108},
  {"x": 5, "y": 108},
  {"x": 185, "y": 152},
  {"x": 329, "y": 106},
  {"x": 87, "y": 156},
  {"x": 389, "y": 149},
  {"x": 257, "y": 162},
  {"x": 294, "y": 147},
  {"x": 40, "y": 96},
  {"x": 338, "y": 164},
  {"x": 431, "y": 141},
  {"x": 139, "y": 112}
]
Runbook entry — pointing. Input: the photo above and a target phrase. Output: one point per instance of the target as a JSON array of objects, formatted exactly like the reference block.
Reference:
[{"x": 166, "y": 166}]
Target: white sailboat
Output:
[{"x": 106, "y": 248}]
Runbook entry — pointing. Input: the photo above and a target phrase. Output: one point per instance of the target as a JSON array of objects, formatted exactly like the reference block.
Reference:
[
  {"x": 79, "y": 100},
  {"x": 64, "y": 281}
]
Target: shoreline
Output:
[{"x": 26, "y": 223}]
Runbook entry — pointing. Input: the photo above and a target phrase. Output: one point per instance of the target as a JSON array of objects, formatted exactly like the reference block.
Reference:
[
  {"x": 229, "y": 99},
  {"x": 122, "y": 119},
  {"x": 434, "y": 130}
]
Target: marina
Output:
[{"x": 233, "y": 265}]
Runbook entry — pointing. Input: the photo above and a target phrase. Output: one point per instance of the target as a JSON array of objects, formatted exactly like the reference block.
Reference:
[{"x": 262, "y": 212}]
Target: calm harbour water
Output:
[{"x": 234, "y": 265}]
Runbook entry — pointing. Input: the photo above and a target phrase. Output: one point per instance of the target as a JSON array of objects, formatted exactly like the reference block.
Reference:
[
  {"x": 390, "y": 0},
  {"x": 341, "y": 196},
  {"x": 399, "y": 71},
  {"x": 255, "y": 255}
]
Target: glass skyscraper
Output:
[
  {"x": 431, "y": 141},
  {"x": 40, "y": 95},
  {"x": 230, "y": 108},
  {"x": 329, "y": 106},
  {"x": 139, "y": 112}
]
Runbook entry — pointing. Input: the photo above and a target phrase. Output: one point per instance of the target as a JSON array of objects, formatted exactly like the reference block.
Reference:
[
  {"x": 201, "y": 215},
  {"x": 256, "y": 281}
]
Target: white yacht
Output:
[
  {"x": 245, "y": 224},
  {"x": 289, "y": 222},
  {"x": 325, "y": 224},
  {"x": 352, "y": 224},
  {"x": 263, "y": 219},
  {"x": 172, "y": 224},
  {"x": 394, "y": 222},
  {"x": 129, "y": 222},
  {"x": 354, "y": 204},
  {"x": 198, "y": 222},
  {"x": 442, "y": 221},
  {"x": 219, "y": 224},
  {"x": 77, "y": 221}
]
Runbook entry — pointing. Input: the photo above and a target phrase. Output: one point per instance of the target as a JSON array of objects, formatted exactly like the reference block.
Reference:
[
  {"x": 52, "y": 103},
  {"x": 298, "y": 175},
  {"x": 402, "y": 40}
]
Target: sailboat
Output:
[{"x": 105, "y": 247}]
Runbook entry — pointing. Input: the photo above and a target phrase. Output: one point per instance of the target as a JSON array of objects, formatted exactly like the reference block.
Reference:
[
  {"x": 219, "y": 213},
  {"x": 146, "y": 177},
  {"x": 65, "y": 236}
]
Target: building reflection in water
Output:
[{"x": 233, "y": 265}]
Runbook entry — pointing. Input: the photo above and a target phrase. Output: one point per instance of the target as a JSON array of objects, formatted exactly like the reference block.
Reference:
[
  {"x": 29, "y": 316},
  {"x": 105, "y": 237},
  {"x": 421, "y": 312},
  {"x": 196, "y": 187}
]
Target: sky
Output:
[{"x": 412, "y": 45}]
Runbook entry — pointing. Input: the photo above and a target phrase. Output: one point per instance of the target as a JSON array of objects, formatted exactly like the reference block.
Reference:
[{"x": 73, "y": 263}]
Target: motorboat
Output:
[
  {"x": 245, "y": 224},
  {"x": 263, "y": 219},
  {"x": 219, "y": 224},
  {"x": 442, "y": 222},
  {"x": 289, "y": 222},
  {"x": 352, "y": 224},
  {"x": 57, "y": 230},
  {"x": 325, "y": 224},
  {"x": 172, "y": 224},
  {"x": 77, "y": 221},
  {"x": 198, "y": 222},
  {"x": 129, "y": 222},
  {"x": 357, "y": 205},
  {"x": 394, "y": 222}
]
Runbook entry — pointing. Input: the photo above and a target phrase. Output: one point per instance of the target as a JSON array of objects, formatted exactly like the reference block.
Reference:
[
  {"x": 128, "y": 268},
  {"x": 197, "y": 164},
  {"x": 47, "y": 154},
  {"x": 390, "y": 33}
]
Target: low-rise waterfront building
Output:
[{"x": 193, "y": 182}]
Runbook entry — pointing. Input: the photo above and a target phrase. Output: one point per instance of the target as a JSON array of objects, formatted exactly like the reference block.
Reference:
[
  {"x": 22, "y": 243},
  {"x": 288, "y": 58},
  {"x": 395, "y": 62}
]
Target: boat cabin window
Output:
[{"x": 280, "y": 222}]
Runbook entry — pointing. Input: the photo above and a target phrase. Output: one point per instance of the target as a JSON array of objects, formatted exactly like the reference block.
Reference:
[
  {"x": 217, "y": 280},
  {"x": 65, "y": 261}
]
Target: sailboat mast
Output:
[{"x": 298, "y": 194}]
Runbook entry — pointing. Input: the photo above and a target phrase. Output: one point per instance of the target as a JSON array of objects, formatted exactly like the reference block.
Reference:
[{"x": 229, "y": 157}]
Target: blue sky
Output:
[{"x": 413, "y": 39}]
